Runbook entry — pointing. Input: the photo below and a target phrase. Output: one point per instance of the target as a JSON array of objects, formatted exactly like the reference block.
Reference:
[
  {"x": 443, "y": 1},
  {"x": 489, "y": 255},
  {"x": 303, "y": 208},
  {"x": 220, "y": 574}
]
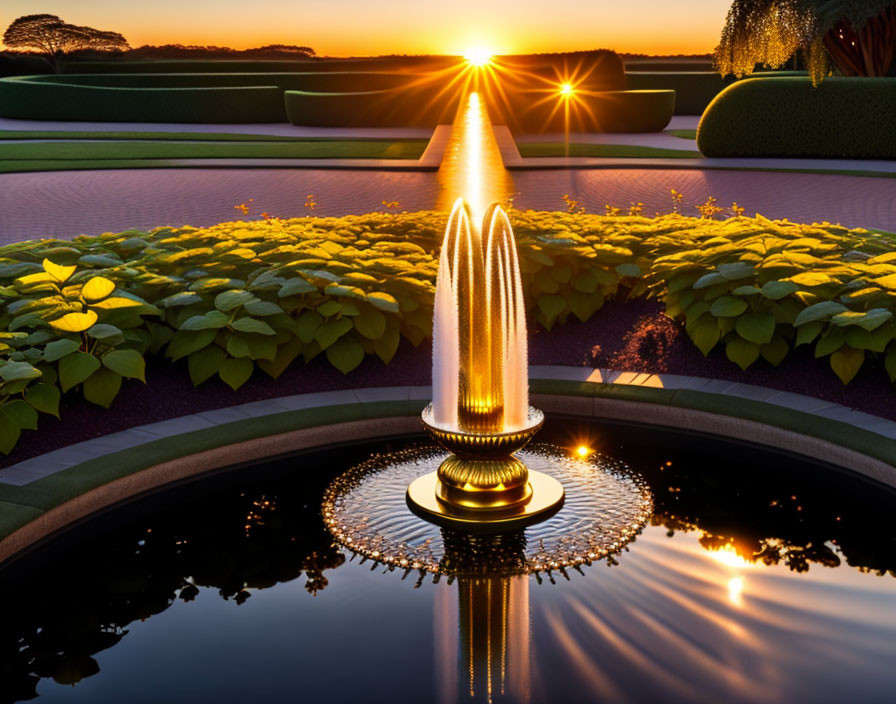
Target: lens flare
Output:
[
  {"x": 478, "y": 57},
  {"x": 566, "y": 89}
]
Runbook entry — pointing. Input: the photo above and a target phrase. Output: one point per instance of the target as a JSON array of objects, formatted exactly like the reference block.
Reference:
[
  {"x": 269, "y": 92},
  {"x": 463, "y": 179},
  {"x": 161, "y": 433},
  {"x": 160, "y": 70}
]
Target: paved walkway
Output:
[{"x": 65, "y": 204}]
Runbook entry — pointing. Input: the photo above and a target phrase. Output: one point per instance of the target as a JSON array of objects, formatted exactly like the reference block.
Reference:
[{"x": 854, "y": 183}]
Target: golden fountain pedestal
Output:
[{"x": 482, "y": 486}]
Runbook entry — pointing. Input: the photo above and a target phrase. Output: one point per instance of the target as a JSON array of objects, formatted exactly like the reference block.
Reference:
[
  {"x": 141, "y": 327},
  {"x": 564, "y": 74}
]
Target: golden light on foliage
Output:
[{"x": 855, "y": 36}]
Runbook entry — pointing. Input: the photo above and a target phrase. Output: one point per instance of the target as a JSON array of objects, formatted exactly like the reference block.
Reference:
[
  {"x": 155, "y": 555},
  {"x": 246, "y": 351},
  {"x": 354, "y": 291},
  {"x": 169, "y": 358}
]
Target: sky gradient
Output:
[{"x": 368, "y": 27}]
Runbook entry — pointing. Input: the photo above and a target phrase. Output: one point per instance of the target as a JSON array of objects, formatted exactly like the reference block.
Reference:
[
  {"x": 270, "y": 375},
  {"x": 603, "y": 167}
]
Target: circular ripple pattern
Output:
[{"x": 606, "y": 505}]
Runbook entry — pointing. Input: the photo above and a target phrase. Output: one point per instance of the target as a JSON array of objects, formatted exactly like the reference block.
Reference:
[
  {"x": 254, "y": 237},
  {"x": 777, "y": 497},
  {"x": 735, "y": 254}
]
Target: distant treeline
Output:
[{"x": 13, "y": 63}]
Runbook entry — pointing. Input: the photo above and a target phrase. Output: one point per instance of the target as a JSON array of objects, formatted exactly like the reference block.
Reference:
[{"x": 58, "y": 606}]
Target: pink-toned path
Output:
[{"x": 64, "y": 204}]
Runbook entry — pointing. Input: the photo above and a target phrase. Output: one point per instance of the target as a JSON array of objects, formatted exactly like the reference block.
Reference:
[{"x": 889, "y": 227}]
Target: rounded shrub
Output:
[{"x": 789, "y": 117}]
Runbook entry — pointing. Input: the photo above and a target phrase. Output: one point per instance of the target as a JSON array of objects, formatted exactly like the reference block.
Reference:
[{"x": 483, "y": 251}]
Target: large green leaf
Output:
[
  {"x": 756, "y": 327},
  {"x": 205, "y": 363},
  {"x": 235, "y": 372},
  {"x": 109, "y": 334},
  {"x": 251, "y": 325},
  {"x": 819, "y": 311},
  {"x": 307, "y": 324},
  {"x": 808, "y": 332},
  {"x": 742, "y": 352},
  {"x": 185, "y": 342},
  {"x": 229, "y": 300},
  {"x": 345, "y": 354},
  {"x": 212, "y": 320},
  {"x": 846, "y": 362},
  {"x": 775, "y": 351},
  {"x": 551, "y": 305},
  {"x": 776, "y": 290},
  {"x": 705, "y": 335},
  {"x": 386, "y": 346},
  {"x": 23, "y": 413},
  {"x": 9, "y": 432},
  {"x": 286, "y": 354},
  {"x": 331, "y": 330},
  {"x": 44, "y": 397},
  {"x": 128, "y": 363},
  {"x": 371, "y": 323},
  {"x": 18, "y": 371},
  {"x": 728, "y": 307},
  {"x": 102, "y": 387},
  {"x": 75, "y": 368},
  {"x": 262, "y": 308}
]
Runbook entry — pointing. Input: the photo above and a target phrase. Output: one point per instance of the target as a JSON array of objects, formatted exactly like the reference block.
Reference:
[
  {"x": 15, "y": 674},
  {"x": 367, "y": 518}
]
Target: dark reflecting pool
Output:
[{"x": 759, "y": 578}]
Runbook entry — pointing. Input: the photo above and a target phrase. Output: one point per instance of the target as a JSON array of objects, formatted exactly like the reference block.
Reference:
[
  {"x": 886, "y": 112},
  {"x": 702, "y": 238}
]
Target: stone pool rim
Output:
[{"x": 43, "y": 496}]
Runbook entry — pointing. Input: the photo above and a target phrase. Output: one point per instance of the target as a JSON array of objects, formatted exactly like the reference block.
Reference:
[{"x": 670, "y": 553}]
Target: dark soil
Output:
[{"x": 631, "y": 336}]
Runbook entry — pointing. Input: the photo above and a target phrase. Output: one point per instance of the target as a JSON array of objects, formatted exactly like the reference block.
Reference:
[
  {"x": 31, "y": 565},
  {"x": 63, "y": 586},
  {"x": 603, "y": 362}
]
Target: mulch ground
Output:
[{"x": 632, "y": 336}]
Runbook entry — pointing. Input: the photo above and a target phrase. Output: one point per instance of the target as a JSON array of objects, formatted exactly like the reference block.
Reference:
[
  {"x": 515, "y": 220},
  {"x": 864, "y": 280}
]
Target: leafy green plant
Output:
[{"x": 230, "y": 300}]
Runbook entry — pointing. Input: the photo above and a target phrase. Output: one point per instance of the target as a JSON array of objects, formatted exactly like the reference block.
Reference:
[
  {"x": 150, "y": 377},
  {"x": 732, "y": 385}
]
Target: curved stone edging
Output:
[{"x": 42, "y": 496}]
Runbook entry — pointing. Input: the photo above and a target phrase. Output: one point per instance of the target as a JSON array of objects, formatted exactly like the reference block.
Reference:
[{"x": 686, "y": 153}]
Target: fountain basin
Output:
[
  {"x": 474, "y": 446},
  {"x": 180, "y": 583}
]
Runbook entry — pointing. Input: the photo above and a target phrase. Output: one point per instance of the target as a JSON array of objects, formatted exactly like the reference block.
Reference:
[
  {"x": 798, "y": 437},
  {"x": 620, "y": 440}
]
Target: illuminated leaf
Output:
[
  {"x": 59, "y": 273},
  {"x": 742, "y": 352},
  {"x": 97, "y": 288},
  {"x": 75, "y": 322},
  {"x": 345, "y": 355}
]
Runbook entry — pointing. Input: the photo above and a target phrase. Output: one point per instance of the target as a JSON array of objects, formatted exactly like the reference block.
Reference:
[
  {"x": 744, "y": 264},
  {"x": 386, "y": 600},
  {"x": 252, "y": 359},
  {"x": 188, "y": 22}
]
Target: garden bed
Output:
[{"x": 308, "y": 301}]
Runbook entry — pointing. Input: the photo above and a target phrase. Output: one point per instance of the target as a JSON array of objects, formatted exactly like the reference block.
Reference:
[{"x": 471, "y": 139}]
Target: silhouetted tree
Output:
[
  {"x": 52, "y": 38},
  {"x": 857, "y": 36}
]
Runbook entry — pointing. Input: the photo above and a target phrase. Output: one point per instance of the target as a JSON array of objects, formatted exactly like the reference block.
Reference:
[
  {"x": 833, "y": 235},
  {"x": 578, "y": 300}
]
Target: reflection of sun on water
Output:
[{"x": 728, "y": 556}]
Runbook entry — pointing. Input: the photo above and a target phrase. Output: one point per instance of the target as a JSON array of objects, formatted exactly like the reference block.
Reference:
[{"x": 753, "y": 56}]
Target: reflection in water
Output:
[
  {"x": 488, "y": 657},
  {"x": 472, "y": 167},
  {"x": 739, "y": 591}
]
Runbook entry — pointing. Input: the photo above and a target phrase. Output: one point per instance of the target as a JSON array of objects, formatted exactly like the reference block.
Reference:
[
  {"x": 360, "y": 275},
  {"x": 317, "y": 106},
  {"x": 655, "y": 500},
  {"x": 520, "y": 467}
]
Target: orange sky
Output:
[{"x": 366, "y": 27}]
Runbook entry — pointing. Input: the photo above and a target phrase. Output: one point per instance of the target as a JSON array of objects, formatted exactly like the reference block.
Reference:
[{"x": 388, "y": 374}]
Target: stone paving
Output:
[{"x": 68, "y": 203}]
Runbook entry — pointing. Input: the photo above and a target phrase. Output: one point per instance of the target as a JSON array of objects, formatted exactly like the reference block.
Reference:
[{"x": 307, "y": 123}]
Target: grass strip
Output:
[
  {"x": 172, "y": 136},
  {"x": 607, "y": 151},
  {"x": 348, "y": 149},
  {"x": 682, "y": 134}
]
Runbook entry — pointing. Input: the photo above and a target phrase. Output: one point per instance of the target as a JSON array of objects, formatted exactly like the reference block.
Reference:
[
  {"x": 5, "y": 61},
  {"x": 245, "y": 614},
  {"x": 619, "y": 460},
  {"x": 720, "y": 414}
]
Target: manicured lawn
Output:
[
  {"x": 622, "y": 151},
  {"x": 682, "y": 134},
  {"x": 166, "y": 136},
  {"x": 13, "y": 155}
]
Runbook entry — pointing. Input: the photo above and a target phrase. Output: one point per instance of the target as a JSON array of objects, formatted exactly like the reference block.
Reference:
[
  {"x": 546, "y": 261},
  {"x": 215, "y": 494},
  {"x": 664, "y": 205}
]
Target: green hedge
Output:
[
  {"x": 175, "y": 97},
  {"x": 38, "y": 100},
  {"x": 694, "y": 90},
  {"x": 327, "y": 82},
  {"x": 789, "y": 117},
  {"x": 607, "y": 111},
  {"x": 382, "y": 108}
]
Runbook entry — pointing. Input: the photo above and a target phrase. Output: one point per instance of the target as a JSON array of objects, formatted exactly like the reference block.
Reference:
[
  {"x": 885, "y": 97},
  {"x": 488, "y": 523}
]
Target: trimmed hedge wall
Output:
[
  {"x": 789, "y": 117},
  {"x": 694, "y": 90},
  {"x": 328, "y": 82},
  {"x": 217, "y": 98},
  {"x": 605, "y": 111},
  {"x": 32, "y": 100},
  {"x": 380, "y": 108}
]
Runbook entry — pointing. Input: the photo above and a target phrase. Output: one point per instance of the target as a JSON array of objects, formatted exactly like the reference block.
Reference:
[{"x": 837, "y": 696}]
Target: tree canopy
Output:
[
  {"x": 857, "y": 36},
  {"x": 52, "y": 37}
]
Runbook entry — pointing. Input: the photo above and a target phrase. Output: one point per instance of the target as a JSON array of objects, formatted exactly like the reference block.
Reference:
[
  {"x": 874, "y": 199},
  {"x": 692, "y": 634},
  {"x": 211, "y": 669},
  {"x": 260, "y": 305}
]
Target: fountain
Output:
[{"x": 480, "y": 410}]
